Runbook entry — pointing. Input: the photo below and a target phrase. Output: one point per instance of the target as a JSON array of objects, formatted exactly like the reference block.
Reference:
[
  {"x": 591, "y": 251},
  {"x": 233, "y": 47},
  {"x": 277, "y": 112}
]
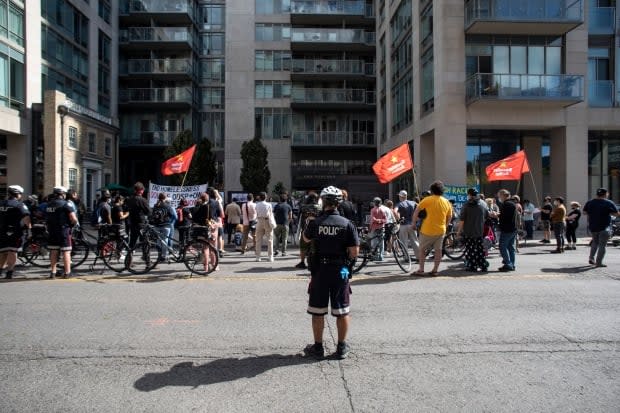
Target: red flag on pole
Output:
[
  {"x": 508, "y": 169},
  {"x": 178, "y": 163},
  {"x": 393, "y": 164}
]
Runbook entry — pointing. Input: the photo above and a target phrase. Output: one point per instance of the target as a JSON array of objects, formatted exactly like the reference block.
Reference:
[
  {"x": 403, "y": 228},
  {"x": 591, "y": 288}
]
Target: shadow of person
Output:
[
  {"x": 568, "y": 270},
  {"x": 217, "y": 371}
]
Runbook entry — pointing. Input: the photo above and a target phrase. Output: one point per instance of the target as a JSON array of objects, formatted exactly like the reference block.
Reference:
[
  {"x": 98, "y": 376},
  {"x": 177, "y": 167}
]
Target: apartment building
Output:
[
  {"x": 66, "y": 136},
  {"x": 467, "y": 83}
]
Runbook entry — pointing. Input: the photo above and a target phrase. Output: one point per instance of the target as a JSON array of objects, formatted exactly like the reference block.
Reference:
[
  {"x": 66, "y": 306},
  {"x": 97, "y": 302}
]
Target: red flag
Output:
[
  {"x": 178, "y": 163},
  {"x": 508, "y": 169},
  {"x": 393, "y": 164}
]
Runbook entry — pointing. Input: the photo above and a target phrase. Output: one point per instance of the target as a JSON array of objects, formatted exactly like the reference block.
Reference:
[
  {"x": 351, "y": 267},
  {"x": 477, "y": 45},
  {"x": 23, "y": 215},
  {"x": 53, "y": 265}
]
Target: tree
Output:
[
  {"x": 279, "y": 188},
  {"x": 203, "y": 168},
  {"x": 255, "y": 174}
]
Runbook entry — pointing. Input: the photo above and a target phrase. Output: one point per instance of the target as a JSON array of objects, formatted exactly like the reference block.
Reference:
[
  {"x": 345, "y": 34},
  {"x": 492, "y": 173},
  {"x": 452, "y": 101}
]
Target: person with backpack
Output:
[
  {"x": 139, "y": 210},
  {"x": 233, "y": 218},
  {"x": 309, "y": 210},
  {"x": 162, "y": 217},
  {"x": 183, "y": 222},
  {"x": 248, "y": 214},
  {"x": 104, "y": 210}
]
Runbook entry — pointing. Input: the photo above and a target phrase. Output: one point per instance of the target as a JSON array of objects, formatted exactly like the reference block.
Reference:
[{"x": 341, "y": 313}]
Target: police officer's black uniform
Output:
[
  {"x": 12, "y": 212},
  {"x": 332, "y": 234},
  {"x": 59, "y": 224}
]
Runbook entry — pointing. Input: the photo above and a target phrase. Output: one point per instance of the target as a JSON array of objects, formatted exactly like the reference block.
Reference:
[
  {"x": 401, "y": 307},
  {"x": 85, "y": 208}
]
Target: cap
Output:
[
  {"x": 60, "y": 190},
  {"x": 15, "y": 189},
  {"x": 472, "y": 192},
  {"x": 601, "y": 191},
  {"x": 403, "y": 193}
]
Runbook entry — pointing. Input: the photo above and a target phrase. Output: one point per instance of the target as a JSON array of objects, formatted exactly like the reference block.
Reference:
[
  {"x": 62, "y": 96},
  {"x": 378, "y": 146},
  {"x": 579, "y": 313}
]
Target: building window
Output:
[
  {"x": 273, "y": 6},
  {"x": 269, "y": 89},
  {"x": 428, "y": 80},
  {"x": 212, "y": 17},
  {"x": 213, "y": 97},
  {"x": 73, "y": 137},
  {"x": 63, "y": 15},
  {"x": 12, "y": 22},
  {"x": 212, "y": 70},
  {"x": 104, "y": 47},
  {"x": 12, "y": 86},
  {"x": 73, "y": 181},
  {"x": 272, "y": 32},
  {"x": 401, "y": 21},
  {"x": 212, "y": 43},
  {"x": 272, "y": 60},
  {"x": 213, "y": 128},
  {"x": 272, "y": 123},
  {"x": 63, "y": 55},
  {"x": 402, "y": 103},
  {"x": 107, "y": 149},
  {"x": 107, "y": 179},
  {"x": 105, "y": 10},
  {"x": 92, "y": 142}
]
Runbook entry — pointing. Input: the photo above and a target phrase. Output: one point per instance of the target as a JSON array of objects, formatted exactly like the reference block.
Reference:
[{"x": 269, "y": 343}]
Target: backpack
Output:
[{"x": 160, "y": 214}]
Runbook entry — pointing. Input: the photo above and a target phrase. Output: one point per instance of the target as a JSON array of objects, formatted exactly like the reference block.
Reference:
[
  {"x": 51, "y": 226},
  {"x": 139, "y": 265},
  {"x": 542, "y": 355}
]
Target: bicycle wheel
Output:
[
  {"x": 79, "y": 252},
  {"x": 453, "y": 246},
  {"x": 142, "y": 258},
  {"x": 362, "y": 258},
  {"x": 401, "y": 255},
  {"x": 200, "y": 258},
  {"x": 113, "y": 254},
  {"x": 35, "y": 252}
]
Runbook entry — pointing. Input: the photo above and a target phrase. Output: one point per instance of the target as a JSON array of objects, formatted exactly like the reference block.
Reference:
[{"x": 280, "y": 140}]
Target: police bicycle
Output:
[
  {"x": 35, "y": 250},
  {"x": 370, "y": 247}
]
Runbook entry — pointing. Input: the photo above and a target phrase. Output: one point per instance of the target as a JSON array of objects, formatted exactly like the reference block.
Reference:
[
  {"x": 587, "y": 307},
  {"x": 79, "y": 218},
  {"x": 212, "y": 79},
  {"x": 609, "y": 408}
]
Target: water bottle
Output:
[{"x": 344, "y": 273}]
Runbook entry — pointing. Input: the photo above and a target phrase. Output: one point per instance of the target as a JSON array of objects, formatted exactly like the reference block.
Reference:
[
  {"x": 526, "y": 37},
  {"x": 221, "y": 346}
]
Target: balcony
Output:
[
  {"x": 333, "y": 138},
  {"x": 331, "y": 98},
  {"x": 601, "y": 94},
  {"x": 154, "y": 138},
  {"x": 601, "y": 20},
  {"x": 164, "y": 69},
  {"x": 311, "y": 39},
  {"x": 523, "y": 17},
  {"x": 171, "y": 38},
  {"x": 356, "y": 12},
  {"x": 164, "y": 11},
  {"x": 550, "y": 90},
  {"x": 172, "y": 97},
  {"x": 312, "y": 69}
]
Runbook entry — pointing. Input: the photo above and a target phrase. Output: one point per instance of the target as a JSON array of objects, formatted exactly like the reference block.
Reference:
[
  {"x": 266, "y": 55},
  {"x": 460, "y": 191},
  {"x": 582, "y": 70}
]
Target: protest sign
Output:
[
  {"x": 175, "y": 193},
  {"x": 458, "y": 194}
]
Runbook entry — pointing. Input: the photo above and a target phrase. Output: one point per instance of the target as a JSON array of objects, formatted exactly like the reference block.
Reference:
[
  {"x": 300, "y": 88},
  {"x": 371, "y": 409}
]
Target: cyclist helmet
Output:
[
  {"x": 15, "y": 190},
  {"x": 331, "y": 195},
  {"x": 60, "y": 190},
  {"x": 377, "y": 201}
]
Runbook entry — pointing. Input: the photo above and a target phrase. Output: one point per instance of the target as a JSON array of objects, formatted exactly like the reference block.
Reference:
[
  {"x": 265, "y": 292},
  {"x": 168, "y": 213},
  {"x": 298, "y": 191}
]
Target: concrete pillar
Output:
[
  {"x": 569, "y": 162},
  {"x": 425, "y": 161},
  {"x": 532, "y": 188}
]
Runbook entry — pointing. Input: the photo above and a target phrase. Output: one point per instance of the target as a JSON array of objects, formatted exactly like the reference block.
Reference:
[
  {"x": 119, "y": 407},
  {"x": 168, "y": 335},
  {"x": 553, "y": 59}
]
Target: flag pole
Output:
[
  {"x": 415, "y": 181},
  {"x": 535, "y": 191},
  {"x": 184, "y": 176}
]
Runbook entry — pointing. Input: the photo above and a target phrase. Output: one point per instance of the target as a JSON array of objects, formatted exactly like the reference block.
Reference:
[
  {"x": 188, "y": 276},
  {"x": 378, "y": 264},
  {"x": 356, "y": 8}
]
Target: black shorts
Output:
[
  {"x": 10, "y": 242},
  {"x": 60, "y": 240},
  {"x": 326, "y": 287}
]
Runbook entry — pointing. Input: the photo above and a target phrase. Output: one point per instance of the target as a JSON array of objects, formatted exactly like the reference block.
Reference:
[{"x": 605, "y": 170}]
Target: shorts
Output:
[
  {"x": 428, "y": 241},
  {"x": 60, "y": 240},
  {"x": 10, "y": 242},
  {"x": 546, "y": 225},
  {"x": 328, "y": 287}
]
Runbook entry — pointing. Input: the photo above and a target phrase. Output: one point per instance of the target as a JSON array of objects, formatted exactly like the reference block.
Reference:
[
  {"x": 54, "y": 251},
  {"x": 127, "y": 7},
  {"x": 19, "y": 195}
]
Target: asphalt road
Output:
[{"x": 543, "y": 338}]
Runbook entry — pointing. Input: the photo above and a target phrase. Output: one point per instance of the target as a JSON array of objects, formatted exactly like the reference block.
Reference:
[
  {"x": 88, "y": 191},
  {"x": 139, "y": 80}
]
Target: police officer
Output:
[
  {"x": 14, "y": 215},
  {"x": 61, "y": 216},
  {"x": 336, "y": 245}
]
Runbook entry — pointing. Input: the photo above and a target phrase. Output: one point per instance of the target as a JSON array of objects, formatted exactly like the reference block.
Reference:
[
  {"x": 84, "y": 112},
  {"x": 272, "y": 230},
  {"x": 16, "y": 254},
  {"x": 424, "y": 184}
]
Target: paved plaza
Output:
[{"x": 543, "y": 338}]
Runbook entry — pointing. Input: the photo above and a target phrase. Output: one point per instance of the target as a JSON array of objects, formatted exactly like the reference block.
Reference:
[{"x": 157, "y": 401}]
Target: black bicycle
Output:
[
  {"x": 370, "y": 248},
  {"x": 36, "y": 252}
]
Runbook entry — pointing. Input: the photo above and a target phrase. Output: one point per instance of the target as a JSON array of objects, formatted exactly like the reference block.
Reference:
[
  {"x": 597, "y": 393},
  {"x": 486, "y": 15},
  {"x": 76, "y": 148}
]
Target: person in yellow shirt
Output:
[{"x": 435, "y": 219}]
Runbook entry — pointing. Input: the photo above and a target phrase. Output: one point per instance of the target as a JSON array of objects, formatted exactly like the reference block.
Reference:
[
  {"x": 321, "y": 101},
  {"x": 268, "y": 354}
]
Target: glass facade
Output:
[
  {"x": 273, "y": 6},
  {"x": 604, "y": 163},
  {"x": 269, "y": 89},
  {"x": 272, "y": 60},
  {"x": 12, "y": 22},
  {"x": 272, "y": 32},
  {"x": 401, "y": 73},
  {"x": 272, "y": 123},
  {"x": 12, "y": 83}
]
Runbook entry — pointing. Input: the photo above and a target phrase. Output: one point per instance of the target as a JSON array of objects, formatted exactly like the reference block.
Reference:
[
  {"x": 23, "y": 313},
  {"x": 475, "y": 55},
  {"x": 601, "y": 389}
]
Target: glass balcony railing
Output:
[
  {"x": 332, "y": 95},
  {"x": 312, "y": 35},
  {"x": 332, "y": 66},
  {"x": 601, "y": 20},
  {"x": 156, "y": 95},
  {"x": 601, "y": 94},
  {"x": 156, "y": 66},
  {"x": 311, "y": 138},
  {"x": 343, "y": 7},
  {"x": 155, "y": 6},
  {"x": 155, "y": 34},
  {"x": 524, "y": 87},
  {"x": 523, "y": 10},
  {"x": 158, "y": 138}
]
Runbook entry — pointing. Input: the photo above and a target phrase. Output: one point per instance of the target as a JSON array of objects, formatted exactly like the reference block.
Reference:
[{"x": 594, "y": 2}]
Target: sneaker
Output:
[
  {"x": 52, "y": 276},
  {"x": 283, "y": 253},
  {"x": 275, "y": 253},
  {"x": 9, "y": 275},
  {"x": 221, "y": 254},
  {"x": 591, "y": 261},
  {"x": 69, "y": 275},
  {"x": 301, "y": 265},
  {"x": 313, "y": 350},
  {"x": 342, "y": 351},
  {"x": 505, "y": 268},
  {"x": 601, "y": 265}
]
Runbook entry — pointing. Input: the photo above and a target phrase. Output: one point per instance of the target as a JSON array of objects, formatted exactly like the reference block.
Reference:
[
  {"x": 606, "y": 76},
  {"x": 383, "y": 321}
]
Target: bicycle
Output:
[
  {"x": 112, "y": 248},
  {"x": 367, "y": 252},
  {"x": 36, "y": 252},
  {"x": 452, "y": 246}
]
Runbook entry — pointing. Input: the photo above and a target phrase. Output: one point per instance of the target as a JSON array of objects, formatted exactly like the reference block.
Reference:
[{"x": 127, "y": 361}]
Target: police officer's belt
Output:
[{"x": 333, "y": 260}]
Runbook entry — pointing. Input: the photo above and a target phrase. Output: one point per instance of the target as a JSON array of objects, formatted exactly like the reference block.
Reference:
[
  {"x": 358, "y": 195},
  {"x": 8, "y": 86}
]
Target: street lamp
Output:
[{"x": 62, "y": 111}]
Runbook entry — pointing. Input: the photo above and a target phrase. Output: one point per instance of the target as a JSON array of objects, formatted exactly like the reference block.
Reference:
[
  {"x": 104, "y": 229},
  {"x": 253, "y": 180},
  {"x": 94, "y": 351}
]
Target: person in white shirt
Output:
[
  {"x": 248, "y": 215},
  {"x": 263, "y": 227}
]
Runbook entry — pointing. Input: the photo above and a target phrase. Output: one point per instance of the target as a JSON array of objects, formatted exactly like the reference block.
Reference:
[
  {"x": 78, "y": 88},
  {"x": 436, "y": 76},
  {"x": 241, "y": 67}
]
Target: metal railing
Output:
[
  {"x": 332, "y": 95},
  {"x": 155, "y": 66},
  {"x": 159, "y": 138},
  {"x": 313, "y": 35},
  {"x": 311, "y": 138},
  {"x": 601, "y": 94},
  {"x": 156, "y": 95},
  {"x": 333, "y": 66},
  {"x": 348, "y": 7},
  {"x": 524, "y": 10},
  {"x": 155, "y": 34},
  {"x": 524, "y": 87},
  {"x": 156, "y": 6},
  {"x": 601, "y": 20}
]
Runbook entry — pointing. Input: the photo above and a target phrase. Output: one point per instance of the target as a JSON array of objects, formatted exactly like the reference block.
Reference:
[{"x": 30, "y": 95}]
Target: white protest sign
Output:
[{"x": 176, "y": 193}]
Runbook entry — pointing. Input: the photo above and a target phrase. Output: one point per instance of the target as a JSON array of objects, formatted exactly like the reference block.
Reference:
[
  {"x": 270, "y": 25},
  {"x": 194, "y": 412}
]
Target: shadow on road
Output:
[
  {"x": 568, "y": 270},
  {"x": 217, "y": 371}
]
